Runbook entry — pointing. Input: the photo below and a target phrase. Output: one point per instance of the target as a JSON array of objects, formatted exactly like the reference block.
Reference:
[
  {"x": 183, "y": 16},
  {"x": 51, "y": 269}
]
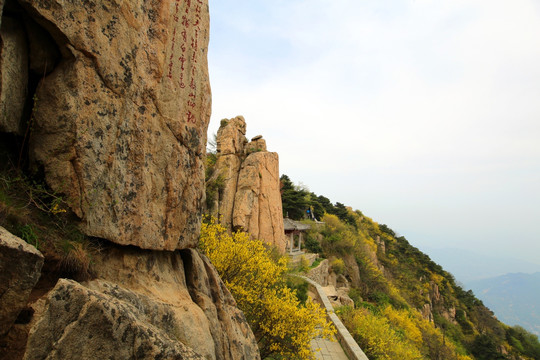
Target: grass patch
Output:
[
  {"x": 41, "y": 217},
  {"x": 317, "y": 262}
]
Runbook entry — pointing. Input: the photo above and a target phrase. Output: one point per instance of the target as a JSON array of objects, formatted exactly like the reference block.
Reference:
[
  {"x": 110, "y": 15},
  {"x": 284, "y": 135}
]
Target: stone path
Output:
[{"x": 330, "y": 350}]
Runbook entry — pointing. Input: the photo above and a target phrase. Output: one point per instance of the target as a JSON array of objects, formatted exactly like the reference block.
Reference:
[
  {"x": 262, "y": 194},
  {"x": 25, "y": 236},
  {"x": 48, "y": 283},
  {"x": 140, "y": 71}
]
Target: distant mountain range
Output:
[
  {"x": 515, "y": 298},
  {"x": 509, "y": 287},
  {"x": 467, "y": 266}
]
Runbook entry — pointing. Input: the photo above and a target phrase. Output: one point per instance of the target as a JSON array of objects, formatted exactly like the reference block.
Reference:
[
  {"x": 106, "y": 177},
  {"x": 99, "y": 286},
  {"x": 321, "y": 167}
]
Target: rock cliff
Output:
[
  {"x": 250, "y": 197},
  {"x": 120, "y": 124},
  {"x": 159, "y": 304},
  {"x": 113, "y": 99}
]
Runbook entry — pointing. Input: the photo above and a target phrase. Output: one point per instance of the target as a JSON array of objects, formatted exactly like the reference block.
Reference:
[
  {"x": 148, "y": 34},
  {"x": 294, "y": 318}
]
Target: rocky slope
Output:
[{"x": 114, "y": 101}]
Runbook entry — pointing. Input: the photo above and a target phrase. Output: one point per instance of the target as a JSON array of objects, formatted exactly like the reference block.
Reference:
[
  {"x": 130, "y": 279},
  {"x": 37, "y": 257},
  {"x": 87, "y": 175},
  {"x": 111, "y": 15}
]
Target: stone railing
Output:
[{"x": 346, "y": 340}]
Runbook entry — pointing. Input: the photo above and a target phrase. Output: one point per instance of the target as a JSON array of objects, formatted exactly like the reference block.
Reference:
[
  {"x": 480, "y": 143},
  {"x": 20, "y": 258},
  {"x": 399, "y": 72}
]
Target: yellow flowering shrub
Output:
[
  {"x": 376, "y": 336},
  {"x": 282, "y": 326},
  {"x": 404, "y": 320}
]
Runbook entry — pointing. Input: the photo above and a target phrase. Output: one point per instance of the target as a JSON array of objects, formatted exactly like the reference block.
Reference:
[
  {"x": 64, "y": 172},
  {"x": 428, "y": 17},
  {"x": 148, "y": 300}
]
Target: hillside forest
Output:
[{"x": 405, "y": 305}]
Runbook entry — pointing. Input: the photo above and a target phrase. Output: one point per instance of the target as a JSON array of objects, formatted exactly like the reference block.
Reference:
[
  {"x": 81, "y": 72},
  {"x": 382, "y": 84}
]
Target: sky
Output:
[{"x": 424, "y": 115}]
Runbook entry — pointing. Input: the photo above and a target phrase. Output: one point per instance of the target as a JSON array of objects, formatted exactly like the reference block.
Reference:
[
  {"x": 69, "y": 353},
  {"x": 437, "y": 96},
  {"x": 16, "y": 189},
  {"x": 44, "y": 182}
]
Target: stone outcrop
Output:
[
  {"x": 381, "y": 245},
  {"x": 80, "y": 323},
  {"x": 338, "y": 297},
  {"x": 231, "y": 334},
  {"x": 320, "y": 273},
  {"x": 335, "y": 286},
  {"x": 438, "y": 305},
  {"x": 151, "y": 305},
  {"x": 250, "y": 198},
  {"x": 323, "y": 275},
  {"x": 257, "y": 203},
  {"x": 20, "y": 268},
  {"x": 352, "y": 270},
  {"x": 256, "y": 144},
  {"x": 13, "y": 74},
  {"x": 231, "y": 142},
  {"x": 449, "y": 314},
  {"x": 231, "y": 139},
  {"x": 227, "y": 167},
  {"x": 120, "y": 124},
  {"x": 426, "y": 312}
]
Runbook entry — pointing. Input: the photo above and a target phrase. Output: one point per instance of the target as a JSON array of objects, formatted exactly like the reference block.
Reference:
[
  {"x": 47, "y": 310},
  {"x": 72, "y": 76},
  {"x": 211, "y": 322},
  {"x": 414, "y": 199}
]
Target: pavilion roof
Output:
[{"x": 291, "y": 225}]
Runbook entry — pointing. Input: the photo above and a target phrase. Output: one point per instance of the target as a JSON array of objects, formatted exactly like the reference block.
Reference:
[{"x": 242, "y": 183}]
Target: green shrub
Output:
[
  {"x": 338, "y": 266},
  {"x": 317, "y": 262},
  {"x": 301, "y": 287},
  {"x": 356, "y": 296},
  {"x": 312, "y": 244},
  {"x": 28, "y": 233}
]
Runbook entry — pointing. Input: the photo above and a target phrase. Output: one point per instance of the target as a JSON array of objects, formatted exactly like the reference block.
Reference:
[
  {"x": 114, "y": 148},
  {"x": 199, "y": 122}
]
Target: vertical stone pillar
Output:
[{"x": 291, "y": 242}]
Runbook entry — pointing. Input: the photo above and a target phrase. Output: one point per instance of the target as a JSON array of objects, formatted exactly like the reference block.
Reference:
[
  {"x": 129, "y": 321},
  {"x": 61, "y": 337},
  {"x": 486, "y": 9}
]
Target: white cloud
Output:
[{"x": 423, "y": 113}]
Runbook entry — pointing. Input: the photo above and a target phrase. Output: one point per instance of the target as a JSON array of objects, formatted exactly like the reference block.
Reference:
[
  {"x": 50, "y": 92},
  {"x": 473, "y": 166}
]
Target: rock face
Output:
[
  {"x": 257, "y": 203},
  {"x": 120, "y": 124},
  {"x": 228, "y": 168},
  {"x": 231, "y": 142},
  {"x": 72, "y": 334},
  {"x": 338, "y": 297},
  {"x": 352, "y": 270},
  {"x": 175, "y": 307},
  {"x": 320, "y": 273},
  {"x": 250, "y": 198},
  {"x": 20, "y": 268},
  {"x": 13, "y": 74},
  {"x": 231, "y": 139}
]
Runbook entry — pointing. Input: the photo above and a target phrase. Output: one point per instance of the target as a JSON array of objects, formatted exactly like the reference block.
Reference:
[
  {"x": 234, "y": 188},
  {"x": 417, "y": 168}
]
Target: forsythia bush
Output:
[
  {"x": 390, "y": 333},
  {"x": 282, "y": 326},
  {"x": 376, "y": 336},
  {"x": 403, "y": 319}
]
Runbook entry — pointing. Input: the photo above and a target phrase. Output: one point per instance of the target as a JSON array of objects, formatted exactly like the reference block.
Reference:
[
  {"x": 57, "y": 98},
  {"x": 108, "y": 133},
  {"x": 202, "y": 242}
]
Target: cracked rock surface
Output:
[{"x": 152, "y": 305}]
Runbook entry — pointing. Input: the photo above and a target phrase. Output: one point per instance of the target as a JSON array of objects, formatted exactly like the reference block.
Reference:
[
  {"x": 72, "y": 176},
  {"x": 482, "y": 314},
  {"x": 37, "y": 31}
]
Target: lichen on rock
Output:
[
  {"x": 20, "y": 268},
  {"x": 120, "y": 125}
]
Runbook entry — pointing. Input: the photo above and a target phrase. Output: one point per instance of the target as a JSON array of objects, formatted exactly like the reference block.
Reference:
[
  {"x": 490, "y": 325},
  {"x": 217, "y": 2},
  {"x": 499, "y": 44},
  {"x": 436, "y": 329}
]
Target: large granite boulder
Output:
[
  {"x": 20, "y": 269},
  {"x": 81, "y": 323},
  {"x": 152, "y": 305},
  {"x": 257, "y": 203},
  {"x": 256, "y": 144},
  {"x": 231, "y": 137},
  {"x": 231, "y": 333},
  {"x": 120, "y": 124}
]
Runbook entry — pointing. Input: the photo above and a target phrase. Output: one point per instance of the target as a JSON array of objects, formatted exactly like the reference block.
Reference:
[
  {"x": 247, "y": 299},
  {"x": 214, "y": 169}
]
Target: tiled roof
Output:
[{"x": 290, "y": 225}]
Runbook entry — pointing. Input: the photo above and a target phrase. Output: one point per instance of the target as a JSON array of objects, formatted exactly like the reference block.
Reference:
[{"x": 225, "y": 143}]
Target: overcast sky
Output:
[{"x": 424, "y": 115}]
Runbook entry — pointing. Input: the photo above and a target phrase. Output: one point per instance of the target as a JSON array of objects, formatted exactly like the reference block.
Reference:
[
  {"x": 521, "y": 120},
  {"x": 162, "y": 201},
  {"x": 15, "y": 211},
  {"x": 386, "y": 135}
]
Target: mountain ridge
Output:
[{"x": 513, "y": 297}]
